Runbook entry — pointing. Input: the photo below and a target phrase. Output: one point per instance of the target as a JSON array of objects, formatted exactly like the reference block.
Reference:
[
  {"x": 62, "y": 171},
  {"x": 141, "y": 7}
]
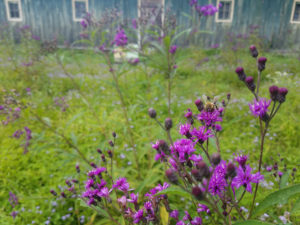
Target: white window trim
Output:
[
  {"x": 20, "y": 19},
  {"x": 293, "y": 12},
  {"x": 73, "y": 9},
  {"x": 231, "y": 12}
]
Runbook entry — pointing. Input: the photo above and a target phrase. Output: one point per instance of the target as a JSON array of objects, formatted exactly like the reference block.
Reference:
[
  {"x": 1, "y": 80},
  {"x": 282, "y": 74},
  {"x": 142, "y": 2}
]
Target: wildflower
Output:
[
  {"x": 138, "y": 216},
  {"x": 18, "y": 134},
  {"x": 13, "y": 199},
  {"x": 245, "y": 178},
  {"x": 199, "y": 104},
  {"x": 203, "y": 169},
  {"x": 171, "y": 175},
  {"x": 152, "y": 113},
  {"x": 282, "y": 93},
  {"x": 250, "y": 83},
  {"x": 185, "y": 130},
  {"x": 262, "y": 63},
  {"x": 209, "y": 118},
  {"x": 134, "y": 62},
  {"x": 173, "y": 49},
  {"x": 83, "y": 24},
  {"x": 174, "y": 214},
  {"x": 207, "y": 10},
  {"x": 260, "y": 107},
  {"x": 274, "y": 90},
  {"x": 217, "y": 183},
  {"x": 120, "y": 38},
  {"x": 14, "y": 214},
  {"x": 241, "y": 159},
  {"x": 134, "y": 23},
  {"x": 201, "y": 135},
  {"x": 168, "y": 123},
  {"x": 133, "y": 198},
  {"x": 196, "y": 221},
  {"x": 230, "y": 170},
  {"x": 104, "y": 192},
  {"x": 196, "y": 158},
  {"x": 216, "y": 158},
  {"x": 241, "y": 74},
  {"x": 121, "y": 184},
  {"x": 182, "y": 149},
  {"x": 253, "y": 51},
  {"x": 193, "y": 2},
  {"x": 203, "y": 208}
]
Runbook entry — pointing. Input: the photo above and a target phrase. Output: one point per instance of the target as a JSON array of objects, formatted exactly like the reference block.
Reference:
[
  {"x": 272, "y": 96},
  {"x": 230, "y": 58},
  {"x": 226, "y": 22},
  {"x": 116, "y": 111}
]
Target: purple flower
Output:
[
  {"x": 196, "y": 221},
  {"x": 104, "y": 192},
  {"x": 193, "y": 2},
  {"x": 173, "y": 49},
  {"x": 180, "y": 223},
  {"x": 13, "y": 199},
  {"x": 14, "y": 214},
  {"x": 174, "y": 214},
  {"x": 134, "y": 24},
  {"x": 89, "y": 183},
  {"x": 241, "y": 159},
  {"x": 120, "y": 38},
  {"x": 217, "y": 183},
  {"x": 96, "y": 171},
  {"x": 207, "y": 10},
  {"x": 201, "y": 135},
  {"x": 245, "y": 178},
  {"x": 133, "y": 198},
  {"x": 260, "y": 108},
  {"x": 186, "y": 216},
  {"x": 196, "y": 158},
  {"x": 182, "y": 149},
  {"x": 210, "y": 118},
  {"x": 18, "y": 134},
  {"x": 269, "y": 168},
  {"x": 157, "y": 189},
  {"x": 185, "y": 130},
  {"x": 203, "y": 208},
  {"x": 138, "y": 216},
  {"x": 121, "y": 184},
  {"x": 84, "y": 24}
]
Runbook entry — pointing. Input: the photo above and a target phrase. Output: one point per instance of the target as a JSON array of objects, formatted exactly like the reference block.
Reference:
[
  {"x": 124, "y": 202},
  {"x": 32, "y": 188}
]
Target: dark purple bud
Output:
[
  {"x": 228, "y": 96},
  {"x": 168, "y": 123},
  {"x": 110, "y": 154},
  {"x": 203, "y": 169},
  {"x": 77, "y": 168},
  {"x": 196, "y": 174},
  {"x": 111, "y": 143},
  {"x": 262, "y": 63},
  {"x": 68, "y": 183},
  {"x": 63, "y": 195},
  {"x": 294, "y": 169},
  {"x": 152, "y": 113},
  {"x": 282, "y": 93},
  {"x": 216, "y": 158},
  {"x": 171, "y": 175},
  {"x": 53, "y": 192},
  {"x": 230, "y": 170},
  {"x": 103, "y": 158},
  {"x": 241, "y": 74},
  {"x": 163, "y": 147},
  {"x": 93, "y": 165},
  {"x": 199, "y": 104},
  {"x": 99, "y": 151},
  {"x": 274, "y": 92},
  {"x": 75, "y": 181},
  {"x": 197, "y": 192},
  {"x": 250, "y": 83},
  {"x": 114, "y": 134},
  {"x": 253, "y": 51}
]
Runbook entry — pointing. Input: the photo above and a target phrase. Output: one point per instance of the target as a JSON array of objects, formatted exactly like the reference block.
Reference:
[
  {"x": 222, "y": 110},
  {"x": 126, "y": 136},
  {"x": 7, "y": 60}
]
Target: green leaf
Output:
[
  {"x": 252, "y": 222},
  {"x": 276, "y": 198},
  {"x": 175, "y": 191},
  {"x": 296, "y": 207},
  {"x": 284, "y": 180}
]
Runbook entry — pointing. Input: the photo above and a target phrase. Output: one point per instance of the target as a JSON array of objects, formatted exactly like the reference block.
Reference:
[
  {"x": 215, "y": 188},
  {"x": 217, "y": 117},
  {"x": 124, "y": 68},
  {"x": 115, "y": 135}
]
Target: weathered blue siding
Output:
[{"x": 53, "y": 18}]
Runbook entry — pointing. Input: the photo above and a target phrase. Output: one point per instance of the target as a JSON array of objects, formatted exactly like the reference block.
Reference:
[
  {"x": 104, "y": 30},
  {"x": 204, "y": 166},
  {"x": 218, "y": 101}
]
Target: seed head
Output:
[{"x": 168, "y": 123}]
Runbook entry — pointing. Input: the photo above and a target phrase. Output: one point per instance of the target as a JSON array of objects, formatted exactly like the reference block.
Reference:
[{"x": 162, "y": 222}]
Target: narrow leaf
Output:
[{"x": 252, "y": 222}]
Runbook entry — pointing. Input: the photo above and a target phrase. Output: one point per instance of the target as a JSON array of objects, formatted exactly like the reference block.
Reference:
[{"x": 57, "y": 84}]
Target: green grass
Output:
[{"x": 95, "y": 112}]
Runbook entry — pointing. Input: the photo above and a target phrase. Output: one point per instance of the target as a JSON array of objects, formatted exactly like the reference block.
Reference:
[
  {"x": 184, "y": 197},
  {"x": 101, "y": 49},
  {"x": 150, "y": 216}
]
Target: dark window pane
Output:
[
  {"x": 224, "y": 10},
  {"x": 14, "y": 10},
  {"x": 297, "y": 12},
  {"x": 80, "y": 9}
]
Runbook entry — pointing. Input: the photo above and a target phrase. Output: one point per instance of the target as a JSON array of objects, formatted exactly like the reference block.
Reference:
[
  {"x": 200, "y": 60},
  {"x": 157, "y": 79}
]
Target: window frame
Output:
[
  {"x": 9, "y": 18},
  {"x": 293, "y": 13},
  {"x": 75, "y": 19},
  {"x": 231, "y": 12}
]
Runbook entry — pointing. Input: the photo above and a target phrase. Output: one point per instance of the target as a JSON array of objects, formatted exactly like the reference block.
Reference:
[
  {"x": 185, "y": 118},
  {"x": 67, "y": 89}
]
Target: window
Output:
[
  {"x": 80, "y": 8},
  {"x": 13, "y": 10},
  {"x": 295, "y": 17},
  {"x": 225, "y": 13}
]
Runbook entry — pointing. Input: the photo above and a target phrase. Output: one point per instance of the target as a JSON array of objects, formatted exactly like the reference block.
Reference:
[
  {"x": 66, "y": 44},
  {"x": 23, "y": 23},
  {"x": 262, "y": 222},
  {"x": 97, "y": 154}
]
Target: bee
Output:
[{"x": 210, "y": 104}]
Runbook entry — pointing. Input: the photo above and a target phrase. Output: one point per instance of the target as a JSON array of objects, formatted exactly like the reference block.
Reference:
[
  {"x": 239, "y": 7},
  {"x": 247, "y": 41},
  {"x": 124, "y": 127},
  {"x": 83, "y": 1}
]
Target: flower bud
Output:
[
  {"x": 111, "y": 143},
  {"x": 93, "y": 165},
  {"x": 253, "y": 51},
  {"x": 114, "y": 134},
  {"x": 99, "y": 151},
  {"x": 103, "y": 158},
  {"x": 163, "y": 147},
  {"x": 241, "y": 74},
  {"x": 262, "y": 63},
  {"x": 110, "y": 154},
  {"x": 53, "y": 192},
  {"x": 75, "y": 181},
  {"x": 152, "y": 113},
  {"x": 68, "y": 183},
  {"x": 168, "y": 123},
  {"x": 197, "y": 192},
  {"x": 196, "y": 174},
  {"x": 77, "y": 168},
  {"x": 228, "y": 96},
  {"x": 250, "y": 83},
  {"x": 274, "y": 92},
  {"x": 199, "y": 104},
  {"x": 282, "y": 93},
  {"x": 216, "y": 158},
  {"x": 230, "y": 170},
  {"x": 62, "y": 194},
  {"x": 203, "y": 169},
  {"x": 171, "y": 175}
]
